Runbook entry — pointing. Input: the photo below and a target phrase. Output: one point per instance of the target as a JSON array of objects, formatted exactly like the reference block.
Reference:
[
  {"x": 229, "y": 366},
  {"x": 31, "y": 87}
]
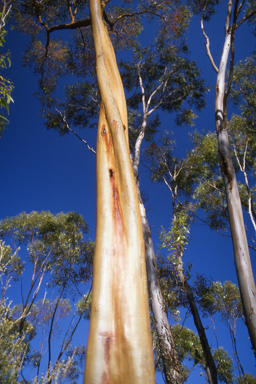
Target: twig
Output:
[{"x": 71, "y": 130}]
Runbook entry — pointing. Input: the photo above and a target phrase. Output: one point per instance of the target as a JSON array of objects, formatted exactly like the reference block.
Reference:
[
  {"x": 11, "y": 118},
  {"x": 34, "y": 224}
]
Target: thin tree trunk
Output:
[
  {"x": 171, "y": 365},
  {"x": 240, "y": 245},
  {"x": 120, "y": 346},
  {"x": 211, "y": 369},
  {"x": 210, "y": 364}
]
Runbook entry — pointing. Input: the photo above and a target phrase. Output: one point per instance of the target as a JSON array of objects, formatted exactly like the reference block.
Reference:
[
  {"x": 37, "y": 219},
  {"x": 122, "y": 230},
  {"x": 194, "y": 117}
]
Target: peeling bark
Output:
[{"x": 120, "y": 346}]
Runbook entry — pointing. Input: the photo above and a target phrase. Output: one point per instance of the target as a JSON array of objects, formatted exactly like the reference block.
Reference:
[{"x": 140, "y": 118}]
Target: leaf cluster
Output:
[
  {"x": 6, "y": 86},
  {"x": 54, "y": 243},
  {"x": 243, "y": 91}
]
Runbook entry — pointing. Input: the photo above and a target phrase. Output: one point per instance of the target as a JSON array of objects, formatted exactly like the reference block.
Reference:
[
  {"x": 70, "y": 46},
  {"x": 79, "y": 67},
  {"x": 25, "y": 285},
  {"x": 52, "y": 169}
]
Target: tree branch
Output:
[
  {"x": 246, "y": 17},
  {"x": 207, "y": 44},
  {"x": 71, "y": 130}
]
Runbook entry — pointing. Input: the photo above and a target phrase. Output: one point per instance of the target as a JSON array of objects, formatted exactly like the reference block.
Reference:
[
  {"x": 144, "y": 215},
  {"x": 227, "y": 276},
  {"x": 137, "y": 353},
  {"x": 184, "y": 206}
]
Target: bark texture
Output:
[
  {"x": 241, "y": 251},
  {"x": 120, "y": 346},
  {"x": 171, "y": 364}
]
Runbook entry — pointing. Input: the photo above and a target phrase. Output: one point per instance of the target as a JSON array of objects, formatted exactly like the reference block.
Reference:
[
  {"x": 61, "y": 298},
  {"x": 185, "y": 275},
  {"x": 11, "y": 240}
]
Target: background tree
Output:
[
  {"x": 237, "y": 14},
  {"x": 56, "y": 252},
  {"x": 63, "y": 116},
  {"x": 177, "y": 91}
]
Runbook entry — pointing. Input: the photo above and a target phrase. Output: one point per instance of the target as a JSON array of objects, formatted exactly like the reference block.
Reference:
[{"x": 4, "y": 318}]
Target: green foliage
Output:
[
  {"x": 227, "y": 301},
  {"x": 175, "y": 240},
  {"x": 54, "y": 243},
  {"x": 188, "y": 344},
  {"x": 247, "y": 379},
  {"x": 56, "y": 251},
  {"x": 13, "y": 346},
  {"x": 224, "y": 366},
  {"x": 243, "y": 91},
  {"x": 189, "y": 348},
  {"x": 6, "y": 86}
]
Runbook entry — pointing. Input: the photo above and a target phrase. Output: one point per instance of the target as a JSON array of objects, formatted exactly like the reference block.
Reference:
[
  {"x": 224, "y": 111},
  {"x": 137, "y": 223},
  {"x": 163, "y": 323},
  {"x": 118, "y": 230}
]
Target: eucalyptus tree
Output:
[
  {"x": 238, "y": 12},
  {"x": 160, "y": 77},
  {"x": 179, "y": 176},
  {"x": 53, "y": 250},
  {"x": 56, "y": 59},
  {"x": 119, "y": 331}
]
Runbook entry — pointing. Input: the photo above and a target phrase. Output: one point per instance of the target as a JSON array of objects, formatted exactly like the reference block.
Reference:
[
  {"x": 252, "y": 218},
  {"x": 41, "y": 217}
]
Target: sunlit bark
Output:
[
  {"x": 241, "y": 250},
  {"x": 119, "y": 347}
]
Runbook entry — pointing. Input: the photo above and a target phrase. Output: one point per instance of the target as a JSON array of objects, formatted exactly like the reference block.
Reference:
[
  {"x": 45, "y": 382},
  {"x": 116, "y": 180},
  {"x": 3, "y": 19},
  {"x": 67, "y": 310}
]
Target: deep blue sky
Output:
[{"x": 41, "y": 171}]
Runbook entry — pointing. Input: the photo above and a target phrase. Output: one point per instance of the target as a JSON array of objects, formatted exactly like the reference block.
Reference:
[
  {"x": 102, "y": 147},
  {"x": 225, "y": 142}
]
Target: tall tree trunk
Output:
[
  {"x": 240, "y": 245},
  {"x": 172, "y": 371},
  {"x": 210, "y": 364},
  {"x": 120, "y": 346}
]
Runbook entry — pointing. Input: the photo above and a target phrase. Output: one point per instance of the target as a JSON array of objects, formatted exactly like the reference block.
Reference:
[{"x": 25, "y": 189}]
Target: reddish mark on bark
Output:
[
  {"x": 103, "y": 131},
  {"x": 104, "y": 378},
  {"x": 124, "y": 127},
  {"x": 107, "y": 349},
  {"x": 117, "y": 206},
  {"x": 114, "y": 123},
  {"x": 107, "y": 338}
]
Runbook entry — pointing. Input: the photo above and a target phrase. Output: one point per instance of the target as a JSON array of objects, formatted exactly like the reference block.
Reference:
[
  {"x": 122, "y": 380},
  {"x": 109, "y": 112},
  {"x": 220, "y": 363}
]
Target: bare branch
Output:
[
  {"x": 243, "y": 170},
  {"x": 246, "y": 17},
  {"x": 71, "y": 130},
  {"x": 4, "y": 14},
  {"x": 126, "y": 15},
  {"x": 207, "y": 44}
]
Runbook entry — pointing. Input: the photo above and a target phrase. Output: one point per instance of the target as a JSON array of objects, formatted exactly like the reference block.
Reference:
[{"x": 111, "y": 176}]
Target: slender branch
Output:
[
  {"x": 50, "y": 333},
  {"x": 232, "y": 55},
  {"x": 240, "y": 8},
  {"x": 207, "y": 44},
  {"x": 162, "y": 84},
  {"x": 4, "y": 14},
  {"x": 168, "y": 185},
  {"x": 243, "y": 170},
  {"x": 71, "y": 130},
  {"x": 214, "y": 329},
  {"x": 63, "y": 348},
  {"x": 246, "y": 17},
  {"x": 142, "y": 89},
  {"x": 146, "y": 10}
]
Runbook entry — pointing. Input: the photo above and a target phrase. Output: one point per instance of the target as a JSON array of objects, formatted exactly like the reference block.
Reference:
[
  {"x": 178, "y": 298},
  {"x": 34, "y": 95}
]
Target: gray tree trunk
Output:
[
  {"x": 240, "y": 245},
  {"x": 210, "y": 364},
  {"x": 168, "y": 351}
]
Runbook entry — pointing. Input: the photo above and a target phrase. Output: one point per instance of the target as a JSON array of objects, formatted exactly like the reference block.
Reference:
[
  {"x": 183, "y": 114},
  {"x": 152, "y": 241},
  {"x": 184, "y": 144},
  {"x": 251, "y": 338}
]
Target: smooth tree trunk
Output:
[
  {"x": 239, "y": 238},
  {"x": 120, "y": 344},
  {"x": 169, "y": 355}
]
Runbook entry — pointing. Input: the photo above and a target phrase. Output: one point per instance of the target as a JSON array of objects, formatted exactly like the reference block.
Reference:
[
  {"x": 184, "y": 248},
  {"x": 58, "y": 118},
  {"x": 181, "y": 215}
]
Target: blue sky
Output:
[{"x": 42, "y": 171}]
